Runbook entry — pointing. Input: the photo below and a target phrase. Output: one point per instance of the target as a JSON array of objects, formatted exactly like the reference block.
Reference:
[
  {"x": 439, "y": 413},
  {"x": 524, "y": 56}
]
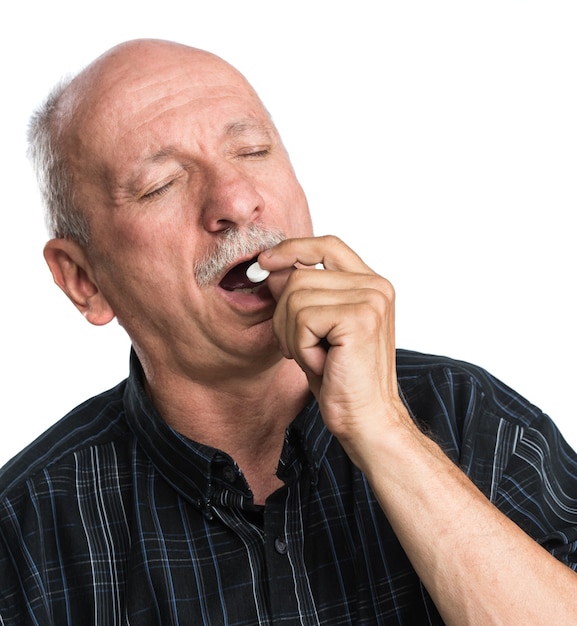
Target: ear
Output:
[{"x": 72, "y": 272}]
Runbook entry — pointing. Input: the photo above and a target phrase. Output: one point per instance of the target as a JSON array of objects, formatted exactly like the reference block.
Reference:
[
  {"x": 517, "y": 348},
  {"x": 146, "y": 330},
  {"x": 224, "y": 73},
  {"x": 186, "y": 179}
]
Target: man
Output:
[{"x": 271, "y": 458}]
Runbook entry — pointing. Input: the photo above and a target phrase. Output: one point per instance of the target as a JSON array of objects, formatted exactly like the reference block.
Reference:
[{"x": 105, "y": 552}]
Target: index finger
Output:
[{"x": 328, "y": 250}]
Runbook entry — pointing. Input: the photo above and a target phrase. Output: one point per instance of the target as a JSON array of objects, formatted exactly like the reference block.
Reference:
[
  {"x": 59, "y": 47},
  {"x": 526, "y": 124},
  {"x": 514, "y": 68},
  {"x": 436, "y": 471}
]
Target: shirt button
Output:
[
  {"x": 280, "y": 545},
  {"x": 229, "y": 474}
]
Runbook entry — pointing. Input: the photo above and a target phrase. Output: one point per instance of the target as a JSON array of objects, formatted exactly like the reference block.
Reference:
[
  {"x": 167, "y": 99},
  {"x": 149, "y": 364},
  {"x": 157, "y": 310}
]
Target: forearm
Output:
[{"x": 478, "y": 566}]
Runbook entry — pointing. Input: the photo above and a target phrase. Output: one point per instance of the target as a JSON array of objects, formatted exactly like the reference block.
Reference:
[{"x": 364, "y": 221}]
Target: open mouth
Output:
[{"x": 236, "y": 279}]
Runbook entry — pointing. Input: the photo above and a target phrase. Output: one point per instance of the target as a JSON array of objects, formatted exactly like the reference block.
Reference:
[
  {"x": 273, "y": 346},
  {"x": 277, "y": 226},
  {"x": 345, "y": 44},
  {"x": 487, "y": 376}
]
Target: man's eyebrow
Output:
[
  {"x": 160, "y": 155},
  {"x": 242, "y": 127}
]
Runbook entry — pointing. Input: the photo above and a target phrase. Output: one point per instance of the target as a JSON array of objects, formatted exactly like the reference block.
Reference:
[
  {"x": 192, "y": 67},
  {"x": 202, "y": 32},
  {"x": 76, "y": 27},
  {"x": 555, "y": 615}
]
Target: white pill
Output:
[{"x": 256, "y": 274}]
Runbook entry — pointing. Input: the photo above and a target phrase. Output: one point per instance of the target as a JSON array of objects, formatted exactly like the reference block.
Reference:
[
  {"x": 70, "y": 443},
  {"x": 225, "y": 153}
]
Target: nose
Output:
[{"x": 230, "y": 199}]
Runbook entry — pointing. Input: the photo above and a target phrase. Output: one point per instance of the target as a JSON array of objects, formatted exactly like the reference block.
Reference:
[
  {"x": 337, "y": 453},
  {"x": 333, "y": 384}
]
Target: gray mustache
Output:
[{"x": 233, "y": 244}]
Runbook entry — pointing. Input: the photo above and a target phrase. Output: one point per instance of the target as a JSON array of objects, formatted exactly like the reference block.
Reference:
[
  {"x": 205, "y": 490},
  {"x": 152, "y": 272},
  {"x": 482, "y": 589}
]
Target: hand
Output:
[
  {"x": 350, "y": 309},
  {"x": 356, "y": 387}
]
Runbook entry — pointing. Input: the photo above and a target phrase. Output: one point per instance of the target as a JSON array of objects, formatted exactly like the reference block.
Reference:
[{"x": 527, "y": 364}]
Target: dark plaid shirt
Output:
[{"x": 113, "y": 518}]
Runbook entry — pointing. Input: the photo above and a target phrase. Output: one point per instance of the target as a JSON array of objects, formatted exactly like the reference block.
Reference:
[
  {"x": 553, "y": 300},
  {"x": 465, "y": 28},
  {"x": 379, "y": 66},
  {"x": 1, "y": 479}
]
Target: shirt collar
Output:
[{"x": 209, "y": 477}]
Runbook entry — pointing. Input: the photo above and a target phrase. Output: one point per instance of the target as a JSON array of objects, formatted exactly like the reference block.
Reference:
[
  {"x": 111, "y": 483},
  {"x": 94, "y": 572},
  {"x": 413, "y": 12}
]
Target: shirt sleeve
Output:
[
  {"x": 13, "y": 606},
  {"x": 507, "y": 446},
  {"x": 538, "y": 487},
  {"x": 23, "y": 564},
  {"x": 517, "y": 455}
]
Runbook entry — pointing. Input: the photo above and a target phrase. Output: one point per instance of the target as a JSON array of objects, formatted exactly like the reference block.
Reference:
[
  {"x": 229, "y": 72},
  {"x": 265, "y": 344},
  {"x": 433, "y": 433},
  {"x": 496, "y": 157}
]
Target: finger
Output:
[
  {"x": 305, "y": 287},
  {"x": 284, "y": 282},
  {"x": 278, "y": 281},
  {"x": 292, "y": 301},
  {"x": 328, "y": 251},
  {"x": 305, "y": 320},
  {"x": 307, "y": 317}
]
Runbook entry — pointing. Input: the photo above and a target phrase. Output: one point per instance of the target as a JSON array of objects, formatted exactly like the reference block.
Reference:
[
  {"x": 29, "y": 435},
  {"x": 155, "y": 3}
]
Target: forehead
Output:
[{"x": 128, "y": 108}]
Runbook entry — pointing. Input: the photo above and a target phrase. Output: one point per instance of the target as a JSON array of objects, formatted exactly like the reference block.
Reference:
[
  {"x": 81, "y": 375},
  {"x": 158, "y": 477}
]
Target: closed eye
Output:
[
  {"x": 157, "y": 192},
  {"x": 259, "y": 153},
  {"x": 255, "y": 154}
]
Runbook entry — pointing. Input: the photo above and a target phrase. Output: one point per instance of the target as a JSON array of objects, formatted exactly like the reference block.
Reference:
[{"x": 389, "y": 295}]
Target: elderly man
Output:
[{"x": 271, "y": 458}]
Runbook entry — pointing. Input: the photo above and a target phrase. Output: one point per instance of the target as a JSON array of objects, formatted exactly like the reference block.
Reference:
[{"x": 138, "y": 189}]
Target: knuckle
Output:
[
  {"x": 385, "y": 287},
  {"x": 332, "y": 240},
  {"x": 335, "y": 244},
  {"x": 294, "y": 298},
  {"x": 301, "y": 317}
]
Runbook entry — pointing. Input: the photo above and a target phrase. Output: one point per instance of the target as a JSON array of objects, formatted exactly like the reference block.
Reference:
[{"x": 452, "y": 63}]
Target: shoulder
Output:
[
  {"x": 480, "y": 422},
  {"x": 96, "y": 421},
  {"x": 471, "y": 414},
  {"x": 459, "y": 387}
]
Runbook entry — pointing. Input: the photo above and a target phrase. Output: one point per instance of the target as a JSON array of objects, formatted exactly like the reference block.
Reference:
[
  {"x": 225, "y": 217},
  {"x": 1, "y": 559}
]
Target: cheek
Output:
[
  {"x": 299, "y": 215},
  {"x": 138, "y": 259},
  {"x": 291, "y": 200},
  {"x": 141, "y": 239}
]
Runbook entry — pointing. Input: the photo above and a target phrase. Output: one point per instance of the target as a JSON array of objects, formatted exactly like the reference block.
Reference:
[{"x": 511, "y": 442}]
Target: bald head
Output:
[
  {"x": 136, "y": 65},
  {"x": 135, "y": 80}
]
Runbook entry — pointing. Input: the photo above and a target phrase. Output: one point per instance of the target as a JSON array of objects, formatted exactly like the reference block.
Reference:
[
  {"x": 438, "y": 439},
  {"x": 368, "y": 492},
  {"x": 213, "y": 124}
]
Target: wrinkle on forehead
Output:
[
  {"x": 150, "y": 61},
  {"x": 140, "y": 74},
  {"x": 139, "y": 80},
  {"x": 164, "y": 59}
]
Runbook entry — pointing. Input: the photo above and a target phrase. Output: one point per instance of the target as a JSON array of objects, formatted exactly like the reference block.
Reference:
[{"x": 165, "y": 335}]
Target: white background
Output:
[{"x": 438, "y": 138}]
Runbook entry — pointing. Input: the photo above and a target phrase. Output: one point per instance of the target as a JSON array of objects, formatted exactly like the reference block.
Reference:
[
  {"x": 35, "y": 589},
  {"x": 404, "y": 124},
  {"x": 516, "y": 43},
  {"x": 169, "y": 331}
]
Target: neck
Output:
[{"x": 246, "y": 417}]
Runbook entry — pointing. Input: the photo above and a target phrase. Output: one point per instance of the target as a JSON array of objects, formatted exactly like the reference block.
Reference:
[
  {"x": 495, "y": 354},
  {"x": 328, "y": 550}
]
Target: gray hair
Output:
[{"x": 54, "y": 174}]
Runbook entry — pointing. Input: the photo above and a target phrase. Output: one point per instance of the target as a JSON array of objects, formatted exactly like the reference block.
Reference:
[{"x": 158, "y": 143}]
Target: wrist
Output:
[{"x": 384, "y": 441}]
